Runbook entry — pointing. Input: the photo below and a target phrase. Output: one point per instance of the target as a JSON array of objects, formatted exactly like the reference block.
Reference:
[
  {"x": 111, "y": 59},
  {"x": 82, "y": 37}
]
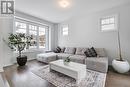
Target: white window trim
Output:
[
  {"x": 38, "y": 24},
  {"x": 116, "y": 23}
]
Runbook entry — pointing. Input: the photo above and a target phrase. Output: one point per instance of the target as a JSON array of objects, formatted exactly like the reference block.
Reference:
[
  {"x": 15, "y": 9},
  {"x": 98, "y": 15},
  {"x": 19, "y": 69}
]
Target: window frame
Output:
[
  {"x": 37, "y": 24},
  {"x": 108, "y": 17},
  {"x": 33, "y": 47},
  {"x": 21, "y": 28},
  {"x": 46, "y": 36}
]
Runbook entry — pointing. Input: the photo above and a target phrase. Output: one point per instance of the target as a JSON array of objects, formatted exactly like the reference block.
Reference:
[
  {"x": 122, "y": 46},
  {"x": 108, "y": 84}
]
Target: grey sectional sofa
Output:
[{"x": 99, "y": 63}]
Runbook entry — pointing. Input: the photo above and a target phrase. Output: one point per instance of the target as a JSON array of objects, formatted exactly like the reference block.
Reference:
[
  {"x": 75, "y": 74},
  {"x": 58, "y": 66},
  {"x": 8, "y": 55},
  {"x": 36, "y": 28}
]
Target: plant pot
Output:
[
  {"x": 121, "y": 66},
  {"x": 66, "y": 63},
  {"x": 21, "y": 60}
]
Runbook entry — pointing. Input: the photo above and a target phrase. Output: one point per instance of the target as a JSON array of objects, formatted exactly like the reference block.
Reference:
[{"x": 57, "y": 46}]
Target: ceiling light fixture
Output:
[{"x": 64, "y": 3}]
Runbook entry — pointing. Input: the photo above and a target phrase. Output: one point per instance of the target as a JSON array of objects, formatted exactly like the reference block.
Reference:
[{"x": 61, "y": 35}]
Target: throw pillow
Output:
[
  {"x": 57, "y": 50},
  {"x": 93, "y": 52},
  {"x": 62, "y": 49},
  {"x": 86, "y": 54},
  {"x": 70, "y": 50},
  {"x": 90, "y": 52}
]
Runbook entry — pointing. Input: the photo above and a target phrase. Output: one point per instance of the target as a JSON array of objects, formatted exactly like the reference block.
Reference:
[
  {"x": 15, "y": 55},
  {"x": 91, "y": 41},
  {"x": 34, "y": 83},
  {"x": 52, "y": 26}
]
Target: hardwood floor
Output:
[
  {"x": 4, "y": 81},
  {"x": 23, "y": 77},
  {"x": 115, "y": 79}
]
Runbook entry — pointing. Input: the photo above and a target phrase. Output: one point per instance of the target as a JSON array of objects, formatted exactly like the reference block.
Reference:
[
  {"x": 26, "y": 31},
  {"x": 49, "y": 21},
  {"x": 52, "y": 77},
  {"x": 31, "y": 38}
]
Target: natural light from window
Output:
[
  {"x": 65, "y": 30},
  {"x": 39, "y": 33},
  {"x": 20, "y": 27},
  {"x": 42, "y": 37},
  {"x": 33, "y": 32},
  {"x": 109, "y": 23}
]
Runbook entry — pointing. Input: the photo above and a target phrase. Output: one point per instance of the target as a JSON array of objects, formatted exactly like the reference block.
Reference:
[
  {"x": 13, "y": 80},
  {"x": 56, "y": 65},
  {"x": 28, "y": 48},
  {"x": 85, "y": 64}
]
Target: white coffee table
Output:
[{"x": 73, "y": 69}]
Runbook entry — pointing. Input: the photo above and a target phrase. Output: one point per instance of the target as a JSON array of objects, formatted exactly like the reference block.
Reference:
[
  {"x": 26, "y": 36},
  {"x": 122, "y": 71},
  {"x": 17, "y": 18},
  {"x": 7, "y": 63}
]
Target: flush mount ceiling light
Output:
[{"x": 64, "y": 3}]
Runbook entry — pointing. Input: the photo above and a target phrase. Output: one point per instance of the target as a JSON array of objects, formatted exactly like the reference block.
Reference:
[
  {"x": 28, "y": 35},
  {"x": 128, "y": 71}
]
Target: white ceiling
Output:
[{"x": 50, "y": 10}]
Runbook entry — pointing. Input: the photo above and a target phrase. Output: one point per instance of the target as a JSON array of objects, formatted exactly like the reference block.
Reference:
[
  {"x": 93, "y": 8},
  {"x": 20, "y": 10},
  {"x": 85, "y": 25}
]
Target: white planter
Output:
[{"x": 121, "y": 66}]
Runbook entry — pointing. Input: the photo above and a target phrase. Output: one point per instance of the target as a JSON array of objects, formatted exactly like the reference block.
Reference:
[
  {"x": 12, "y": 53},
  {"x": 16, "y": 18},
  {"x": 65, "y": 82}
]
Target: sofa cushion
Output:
[
  {"x": 100, "y": 52},
  {"x": 98, "y": 64},
  {"x": 80, "y": 51},
  {"x": 62, "y": 49},
  {"x": 69, "y": 50},
  {"x": 63, "y": 55},
  {"x": 46, "y": 57},
  {"x": 78, "y": 58}
]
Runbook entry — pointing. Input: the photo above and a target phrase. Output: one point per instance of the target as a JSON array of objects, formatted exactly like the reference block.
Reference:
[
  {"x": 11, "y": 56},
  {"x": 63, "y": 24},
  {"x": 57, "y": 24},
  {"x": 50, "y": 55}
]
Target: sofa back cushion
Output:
[
  {"x": 69, "y": 50},
  {"x": 101, "y": 52},
  {"x": 62, "y": 49},
  {"x": 80, "y": 51}
]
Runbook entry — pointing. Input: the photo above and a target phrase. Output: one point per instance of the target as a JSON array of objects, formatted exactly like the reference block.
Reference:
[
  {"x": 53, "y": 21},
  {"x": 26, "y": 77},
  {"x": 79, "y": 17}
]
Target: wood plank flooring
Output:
[
  {"x": 23, "y": 77},
  {"x": 115, "y": 79}
]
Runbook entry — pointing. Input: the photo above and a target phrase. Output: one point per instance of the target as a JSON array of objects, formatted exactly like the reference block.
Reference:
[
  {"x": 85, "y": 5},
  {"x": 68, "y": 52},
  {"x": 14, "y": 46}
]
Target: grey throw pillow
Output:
[{"x": 57, "y": 50}]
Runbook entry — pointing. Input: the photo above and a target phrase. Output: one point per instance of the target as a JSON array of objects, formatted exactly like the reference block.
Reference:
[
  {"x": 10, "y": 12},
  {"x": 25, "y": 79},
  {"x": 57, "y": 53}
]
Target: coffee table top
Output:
[{"x": 72, "y": 65}]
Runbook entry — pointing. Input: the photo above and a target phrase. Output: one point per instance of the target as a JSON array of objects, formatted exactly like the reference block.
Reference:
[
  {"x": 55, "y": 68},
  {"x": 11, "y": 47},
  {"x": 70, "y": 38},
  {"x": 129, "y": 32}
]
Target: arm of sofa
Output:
[{"x": 98, "y": 64}]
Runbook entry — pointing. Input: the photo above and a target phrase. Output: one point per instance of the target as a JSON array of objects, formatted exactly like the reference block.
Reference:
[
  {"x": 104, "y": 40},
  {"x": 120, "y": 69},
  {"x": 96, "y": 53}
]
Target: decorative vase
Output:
[
  {"x": 121, "y": 66},
  {"x": 21, "y": 60},
  {"x": 66, "y": 63}
]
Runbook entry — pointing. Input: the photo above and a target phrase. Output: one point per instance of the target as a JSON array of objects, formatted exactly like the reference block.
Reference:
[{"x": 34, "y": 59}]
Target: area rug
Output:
[{"x": 93, "y": 78}]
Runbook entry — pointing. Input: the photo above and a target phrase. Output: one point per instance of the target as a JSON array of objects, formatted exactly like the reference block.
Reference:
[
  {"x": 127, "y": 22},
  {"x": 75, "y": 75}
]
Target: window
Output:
[
  {"x": 33, "y": 32},
  {"x": 39, "y": 32},
  {"x": 65, "y": 30},
  {"x": 42, "y": 37},
  {"x": 109, "y": 23},
  {"x": 20, "y": 27}
]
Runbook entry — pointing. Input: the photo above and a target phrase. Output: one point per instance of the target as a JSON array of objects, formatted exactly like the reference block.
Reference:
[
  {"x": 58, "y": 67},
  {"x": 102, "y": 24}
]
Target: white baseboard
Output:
[
  {"x": 8, "y": 64},
  {"x": 14, "y": 63},
  {"x": 31, "y": 59}
]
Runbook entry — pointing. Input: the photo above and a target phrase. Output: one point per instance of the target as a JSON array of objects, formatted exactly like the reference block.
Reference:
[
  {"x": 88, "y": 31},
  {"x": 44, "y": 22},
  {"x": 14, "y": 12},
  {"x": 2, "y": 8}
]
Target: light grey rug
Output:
[{"x": 93, "y": 78}]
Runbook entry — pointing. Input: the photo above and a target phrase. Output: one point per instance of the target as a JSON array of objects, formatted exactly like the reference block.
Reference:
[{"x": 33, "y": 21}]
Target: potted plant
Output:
[
  {"x": 18, "y": 42},
  {"x": 67, "y": 61},
  {"x": 120, "y": 65}
]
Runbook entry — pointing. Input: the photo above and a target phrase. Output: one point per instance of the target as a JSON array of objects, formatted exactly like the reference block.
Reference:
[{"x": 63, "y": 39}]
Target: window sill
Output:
[
  {"x": 114, "y": 30},
  {"x": 31, "y": 51}
]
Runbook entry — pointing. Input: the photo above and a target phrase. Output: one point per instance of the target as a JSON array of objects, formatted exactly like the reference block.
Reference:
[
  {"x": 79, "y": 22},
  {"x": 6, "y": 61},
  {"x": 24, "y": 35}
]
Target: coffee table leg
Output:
[
  {"x": 50, "y": 68},
  {"x": 78, "y": 81},
  {"x": 80, "y": 77}
]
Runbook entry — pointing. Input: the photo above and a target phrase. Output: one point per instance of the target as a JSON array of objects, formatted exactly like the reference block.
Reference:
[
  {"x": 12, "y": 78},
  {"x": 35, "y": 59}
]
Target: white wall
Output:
[
  {"x": 1, "y": 52},
  {"x": 84, "y": 31},
  {"x": 6, "y": 28},
  {"x": 56, "y": 34}
]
